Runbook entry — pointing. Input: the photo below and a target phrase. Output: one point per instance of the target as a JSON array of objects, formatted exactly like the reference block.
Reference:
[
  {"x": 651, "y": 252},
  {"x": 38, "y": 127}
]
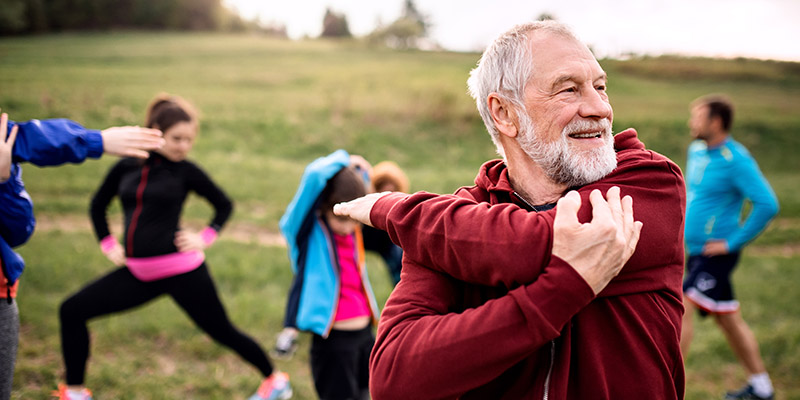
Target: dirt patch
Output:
[{"x": 236, "y": 231}]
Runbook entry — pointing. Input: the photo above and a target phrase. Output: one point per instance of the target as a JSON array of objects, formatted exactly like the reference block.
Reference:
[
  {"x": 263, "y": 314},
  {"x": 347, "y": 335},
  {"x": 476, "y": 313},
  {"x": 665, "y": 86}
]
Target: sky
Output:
[{"x": 768, "y": 29}]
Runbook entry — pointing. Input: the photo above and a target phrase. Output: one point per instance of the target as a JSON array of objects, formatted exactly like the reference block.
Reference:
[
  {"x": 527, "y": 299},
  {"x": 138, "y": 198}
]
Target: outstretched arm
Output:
[
  {"x": 57, "y": 141},
  {"x": 473, "y": 248}
]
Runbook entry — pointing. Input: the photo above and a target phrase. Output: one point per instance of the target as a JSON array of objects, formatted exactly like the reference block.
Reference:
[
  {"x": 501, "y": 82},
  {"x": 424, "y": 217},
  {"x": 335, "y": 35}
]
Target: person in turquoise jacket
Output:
[
  {"x": 331, "y": 295},
  {"x": 720, "y": 175}
]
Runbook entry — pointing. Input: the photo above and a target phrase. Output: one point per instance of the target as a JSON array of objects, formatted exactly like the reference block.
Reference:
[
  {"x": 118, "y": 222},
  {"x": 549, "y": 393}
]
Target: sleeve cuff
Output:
[
  {"x": 95, "y": 142},
  {"x": 108, "y": 243},
  {"x": 209, "y": 235},
  {"x": 380, "y": 211}
]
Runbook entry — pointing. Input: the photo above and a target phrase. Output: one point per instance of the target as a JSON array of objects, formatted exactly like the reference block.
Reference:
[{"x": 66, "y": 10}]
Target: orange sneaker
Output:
[
  {"x": 275, "y": 387},
  {"x": 63, "y": 393}
]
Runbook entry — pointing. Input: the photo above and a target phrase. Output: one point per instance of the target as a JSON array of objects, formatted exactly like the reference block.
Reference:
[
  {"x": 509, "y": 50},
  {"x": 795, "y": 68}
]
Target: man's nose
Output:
[{"x": 594, "y": 105}]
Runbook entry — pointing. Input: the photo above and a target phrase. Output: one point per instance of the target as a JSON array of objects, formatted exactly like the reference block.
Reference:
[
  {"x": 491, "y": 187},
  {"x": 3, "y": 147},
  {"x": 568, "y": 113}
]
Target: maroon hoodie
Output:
[{"x": 484, "y": 311}]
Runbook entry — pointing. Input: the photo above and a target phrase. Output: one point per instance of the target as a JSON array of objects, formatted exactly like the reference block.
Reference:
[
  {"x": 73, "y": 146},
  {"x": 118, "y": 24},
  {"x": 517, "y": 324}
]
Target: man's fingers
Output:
[
  {"x": 567, "y": 209},
  {"x": 600, "y": 208},
  {"x": 3, "y": 125},
  {"x": 136, "y": 153},
  {"x": 614, "y": 204},
  {"x": 360, "y": 208},
  {"x": 342, "y": 209},
  {"x": 150, "y": 131},
  {"x": 12, "y": 137},
  {"x": 627, "y": 211}
]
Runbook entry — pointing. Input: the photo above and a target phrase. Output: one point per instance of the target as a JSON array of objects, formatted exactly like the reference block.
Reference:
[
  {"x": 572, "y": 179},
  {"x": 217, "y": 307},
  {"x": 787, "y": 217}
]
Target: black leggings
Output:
[{"x": 194, "y": 291}]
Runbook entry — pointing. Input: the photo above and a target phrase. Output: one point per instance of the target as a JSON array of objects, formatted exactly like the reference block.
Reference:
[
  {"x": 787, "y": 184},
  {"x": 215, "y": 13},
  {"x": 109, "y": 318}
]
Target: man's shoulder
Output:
[
  {"x": 697, "y": 146},
  {"x": 473, "y": 192},
  {"x": 736, "y": 150}
]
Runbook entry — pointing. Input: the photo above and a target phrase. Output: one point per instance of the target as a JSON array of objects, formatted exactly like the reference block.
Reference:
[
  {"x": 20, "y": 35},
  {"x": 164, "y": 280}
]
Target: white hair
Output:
[{"x": 505, "y": 68}]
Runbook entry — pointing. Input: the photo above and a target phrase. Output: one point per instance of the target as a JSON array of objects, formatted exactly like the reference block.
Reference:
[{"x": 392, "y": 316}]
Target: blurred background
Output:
[{"x": 281, "y": 83}]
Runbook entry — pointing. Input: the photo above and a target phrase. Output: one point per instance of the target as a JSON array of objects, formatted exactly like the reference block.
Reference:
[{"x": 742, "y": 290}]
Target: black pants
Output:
[
  {"x": 340, "y": 364},
  {"x": 194, "y": 291}
]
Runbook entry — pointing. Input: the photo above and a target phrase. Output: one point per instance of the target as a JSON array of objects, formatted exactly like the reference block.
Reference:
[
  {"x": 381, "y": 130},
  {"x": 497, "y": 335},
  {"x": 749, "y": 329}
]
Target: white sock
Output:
[{"x": 761, "y": 384}]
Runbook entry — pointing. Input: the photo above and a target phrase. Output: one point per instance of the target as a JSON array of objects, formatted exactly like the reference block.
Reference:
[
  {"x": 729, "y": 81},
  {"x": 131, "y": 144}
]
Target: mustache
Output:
[{"x": 587, "y": 125}]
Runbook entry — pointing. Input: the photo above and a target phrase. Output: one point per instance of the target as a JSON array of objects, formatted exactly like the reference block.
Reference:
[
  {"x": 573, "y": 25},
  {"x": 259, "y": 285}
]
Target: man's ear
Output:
[
  {"x": 715, "y": 123},
  {"x": 504, "y": 115}
]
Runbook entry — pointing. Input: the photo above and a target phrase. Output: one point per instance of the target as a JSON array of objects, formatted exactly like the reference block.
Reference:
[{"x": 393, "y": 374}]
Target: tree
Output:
[
  {"x": 405, "y": 32},
  {"x": 546, "y": 16},
  {"x": 334, "y": 25}
]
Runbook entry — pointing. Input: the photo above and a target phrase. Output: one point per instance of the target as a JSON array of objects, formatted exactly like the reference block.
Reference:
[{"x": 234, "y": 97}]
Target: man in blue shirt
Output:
[{"x": 720, "y": 175}]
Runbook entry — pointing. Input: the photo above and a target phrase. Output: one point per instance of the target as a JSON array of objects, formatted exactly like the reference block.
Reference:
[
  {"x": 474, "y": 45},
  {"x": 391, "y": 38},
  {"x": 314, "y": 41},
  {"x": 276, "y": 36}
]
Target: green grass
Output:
[{"x": 268, "y": 107}]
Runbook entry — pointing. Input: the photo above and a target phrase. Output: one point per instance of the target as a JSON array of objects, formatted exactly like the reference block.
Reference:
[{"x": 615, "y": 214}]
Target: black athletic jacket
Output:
[{"x": 152, "y": 193}]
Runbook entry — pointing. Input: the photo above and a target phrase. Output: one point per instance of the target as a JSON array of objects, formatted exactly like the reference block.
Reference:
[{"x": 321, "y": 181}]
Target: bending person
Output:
[
  {"x": 156, "y": 257},
  {"x": 330, "y": 296}
]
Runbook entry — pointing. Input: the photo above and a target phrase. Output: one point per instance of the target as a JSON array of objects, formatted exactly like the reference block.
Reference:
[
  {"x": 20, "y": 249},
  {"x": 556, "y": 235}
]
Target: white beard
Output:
[{"x": 563, "y": 164}]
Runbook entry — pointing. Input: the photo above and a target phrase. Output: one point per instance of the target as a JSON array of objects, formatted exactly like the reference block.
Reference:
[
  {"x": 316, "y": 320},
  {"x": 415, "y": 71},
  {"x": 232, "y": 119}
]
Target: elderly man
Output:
[{"x": 495, "y": 300}]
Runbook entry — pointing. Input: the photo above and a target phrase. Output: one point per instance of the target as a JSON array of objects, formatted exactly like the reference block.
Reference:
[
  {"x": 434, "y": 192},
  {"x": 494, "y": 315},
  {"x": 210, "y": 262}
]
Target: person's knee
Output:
[{"x": 70, "y": 309}]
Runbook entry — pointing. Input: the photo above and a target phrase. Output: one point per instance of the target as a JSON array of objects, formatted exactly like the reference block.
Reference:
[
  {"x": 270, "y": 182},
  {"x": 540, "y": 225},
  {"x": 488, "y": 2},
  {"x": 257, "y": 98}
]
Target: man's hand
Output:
[
  {"x": 131, "y": 141},
  {"x": 186, "y": 240},
  {"x": 597, "y": 250},
  {"x": 6, "y": 147},
  {"x": 715, "y": 247},
  {"x": 360, "y": 208}
]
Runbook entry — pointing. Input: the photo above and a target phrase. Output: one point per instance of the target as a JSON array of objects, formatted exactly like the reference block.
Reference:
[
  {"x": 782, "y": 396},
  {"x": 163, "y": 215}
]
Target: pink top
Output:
[{"x": 353, "y": 301}]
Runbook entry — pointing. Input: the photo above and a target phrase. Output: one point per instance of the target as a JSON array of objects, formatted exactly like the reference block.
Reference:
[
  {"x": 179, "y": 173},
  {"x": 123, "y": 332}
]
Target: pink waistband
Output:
[{"x": 159, "y": 267}]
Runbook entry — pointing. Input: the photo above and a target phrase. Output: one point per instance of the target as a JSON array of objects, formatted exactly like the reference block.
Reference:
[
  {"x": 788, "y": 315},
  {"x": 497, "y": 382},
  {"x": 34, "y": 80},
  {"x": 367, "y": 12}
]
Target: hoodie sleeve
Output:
[
  {"x": 54, "y": 142},
  {"x": 452, "y": 350},
  {"x": 466, "y": 239}
]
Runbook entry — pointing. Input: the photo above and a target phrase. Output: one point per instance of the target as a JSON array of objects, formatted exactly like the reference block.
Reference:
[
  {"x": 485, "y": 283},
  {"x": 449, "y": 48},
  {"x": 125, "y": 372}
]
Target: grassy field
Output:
[{"x": 269, "y": 107}]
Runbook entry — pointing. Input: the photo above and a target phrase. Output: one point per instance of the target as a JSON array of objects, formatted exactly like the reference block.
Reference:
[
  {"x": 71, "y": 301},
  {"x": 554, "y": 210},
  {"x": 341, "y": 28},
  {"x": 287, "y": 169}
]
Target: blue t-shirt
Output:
[{"x": 718, "y": 180}]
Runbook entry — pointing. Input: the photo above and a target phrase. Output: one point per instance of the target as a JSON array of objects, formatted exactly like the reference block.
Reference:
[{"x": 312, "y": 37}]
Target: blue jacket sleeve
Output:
[
  {"x": 753, "y": 186},
  {"x": 54, "y": 142},
  {"x": 16, "y": 213},
  {"x": 315, "y": 177}
]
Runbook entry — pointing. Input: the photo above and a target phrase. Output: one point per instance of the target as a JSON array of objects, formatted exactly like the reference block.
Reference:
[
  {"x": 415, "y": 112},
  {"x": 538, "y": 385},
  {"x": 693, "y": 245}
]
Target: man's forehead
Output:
[{"x": 558, "y": 59}]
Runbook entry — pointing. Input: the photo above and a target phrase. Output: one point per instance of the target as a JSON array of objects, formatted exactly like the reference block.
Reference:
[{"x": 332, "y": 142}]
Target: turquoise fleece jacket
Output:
[{"x": 315, "y": 291}]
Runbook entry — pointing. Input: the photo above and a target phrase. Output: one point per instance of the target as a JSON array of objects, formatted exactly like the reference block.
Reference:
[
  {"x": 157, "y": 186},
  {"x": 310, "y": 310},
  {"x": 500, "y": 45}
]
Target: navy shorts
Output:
[{"x": 708, "y": 283}]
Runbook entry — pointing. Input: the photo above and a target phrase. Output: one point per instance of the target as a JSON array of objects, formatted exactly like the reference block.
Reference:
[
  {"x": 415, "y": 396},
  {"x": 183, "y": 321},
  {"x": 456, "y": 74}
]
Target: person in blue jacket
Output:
[
  {"x": 331, "y": 295},
  {"x": 720, "y": 176},
  {"x": 43, "y": 143}
]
